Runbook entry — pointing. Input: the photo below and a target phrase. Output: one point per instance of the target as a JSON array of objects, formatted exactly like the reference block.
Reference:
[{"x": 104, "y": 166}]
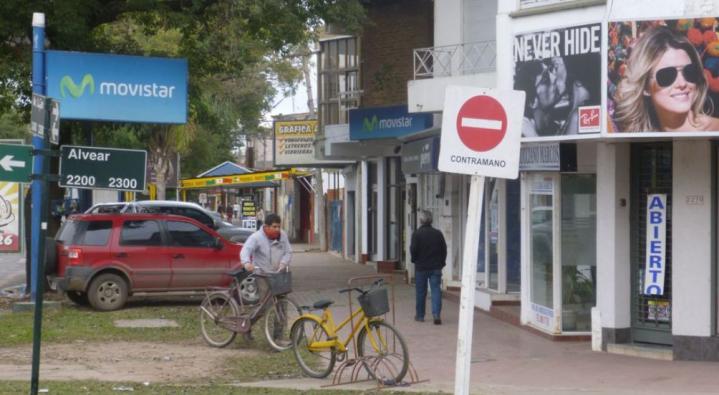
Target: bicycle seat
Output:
[{"x": 323, "y": 304}]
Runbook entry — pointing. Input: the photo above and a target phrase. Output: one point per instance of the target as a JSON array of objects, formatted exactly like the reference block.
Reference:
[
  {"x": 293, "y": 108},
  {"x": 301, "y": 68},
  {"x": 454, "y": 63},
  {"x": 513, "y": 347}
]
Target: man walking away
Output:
[{"x": 429, "y": 253}]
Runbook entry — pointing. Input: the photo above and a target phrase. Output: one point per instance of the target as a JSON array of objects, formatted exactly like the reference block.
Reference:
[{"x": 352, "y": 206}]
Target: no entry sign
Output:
[
  {"x": 481, "y": 129},
  {"x": 481, "y": 123}
]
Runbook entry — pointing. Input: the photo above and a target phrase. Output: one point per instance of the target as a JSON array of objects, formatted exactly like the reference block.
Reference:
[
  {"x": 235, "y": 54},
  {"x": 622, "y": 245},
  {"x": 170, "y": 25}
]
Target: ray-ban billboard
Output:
[{"x": 105, "y": 87}]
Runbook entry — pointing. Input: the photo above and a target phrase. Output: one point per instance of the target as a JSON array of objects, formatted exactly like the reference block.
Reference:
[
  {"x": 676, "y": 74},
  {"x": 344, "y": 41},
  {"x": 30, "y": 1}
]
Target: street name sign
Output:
[
  {"x": 15, "y": 162},
  {"x": 102, "y": 168},
  {"x": 45, "y": 115},
  {"x": 481, "y": 130}
]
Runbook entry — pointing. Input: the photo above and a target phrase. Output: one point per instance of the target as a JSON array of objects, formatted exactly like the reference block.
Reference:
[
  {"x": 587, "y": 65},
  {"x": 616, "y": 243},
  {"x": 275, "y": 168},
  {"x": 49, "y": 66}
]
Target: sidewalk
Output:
[
  {"x": 505, "y": 359},
  {"x": 12, "y": 269}
]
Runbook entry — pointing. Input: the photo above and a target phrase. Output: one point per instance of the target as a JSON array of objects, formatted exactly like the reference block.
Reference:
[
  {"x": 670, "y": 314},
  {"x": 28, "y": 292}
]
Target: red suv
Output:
[{"x": 104, "y": 258}]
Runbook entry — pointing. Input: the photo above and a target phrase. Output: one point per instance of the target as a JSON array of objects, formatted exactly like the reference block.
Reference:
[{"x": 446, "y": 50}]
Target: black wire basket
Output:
[
  {"x": 374, "y": 302},
  {"x": 280, "y": 283}
]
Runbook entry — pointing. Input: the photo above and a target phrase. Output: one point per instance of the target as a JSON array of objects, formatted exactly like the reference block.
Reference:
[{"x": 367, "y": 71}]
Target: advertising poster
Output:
[
  {"x": 294, "y": 142},
  {"x": 9, "y": 216},
  {"x": 560, "y": 72},
  {"x": 249, "y": 214},
  {"x": 663, "y": 78}
]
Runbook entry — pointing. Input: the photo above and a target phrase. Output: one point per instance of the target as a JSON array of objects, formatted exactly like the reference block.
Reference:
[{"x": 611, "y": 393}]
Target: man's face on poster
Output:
[{"x": 550, "y": 84}]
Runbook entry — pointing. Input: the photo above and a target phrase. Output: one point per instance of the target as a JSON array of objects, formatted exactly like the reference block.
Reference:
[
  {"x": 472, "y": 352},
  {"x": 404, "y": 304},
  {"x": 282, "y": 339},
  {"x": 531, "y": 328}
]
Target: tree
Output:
[{"x": 234, "y": 49}]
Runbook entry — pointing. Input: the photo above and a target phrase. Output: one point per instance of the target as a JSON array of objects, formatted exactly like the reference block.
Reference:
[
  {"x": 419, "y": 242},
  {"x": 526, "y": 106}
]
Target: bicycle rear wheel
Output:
[
  {"x": 278, "y": 323},
  {"x": 315, "y": 362},
  {"x": 218, "y": 313},
  {"x": 386, "y": 352}
]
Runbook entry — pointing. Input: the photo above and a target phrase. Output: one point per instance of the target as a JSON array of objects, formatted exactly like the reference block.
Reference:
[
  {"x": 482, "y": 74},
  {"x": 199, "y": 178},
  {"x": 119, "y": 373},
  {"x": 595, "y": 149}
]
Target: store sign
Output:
[
  {"x": 10, "y": 216},
  {"x": 543, "y": 316},
  {"x": 420, "y": 156},
  {"x": 481, "y": 131},
  {"x": 548, "y": 157},
  {"x": 107, "y": 87},
  {"x": 560, "y": 71},
  {"x": 249, "y": 214},
  {"x": 656, "y": 244},
  {"x": 386, "y": 122}
]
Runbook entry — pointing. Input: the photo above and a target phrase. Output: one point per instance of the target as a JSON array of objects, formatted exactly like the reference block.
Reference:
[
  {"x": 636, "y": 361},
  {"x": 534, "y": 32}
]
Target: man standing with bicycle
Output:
[{"x": 267, "y": 251}]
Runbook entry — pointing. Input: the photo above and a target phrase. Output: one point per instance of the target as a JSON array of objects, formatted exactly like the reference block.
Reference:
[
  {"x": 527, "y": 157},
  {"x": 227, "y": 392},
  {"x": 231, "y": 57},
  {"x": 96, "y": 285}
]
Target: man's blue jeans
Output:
[{"x": 434, "y": 277}]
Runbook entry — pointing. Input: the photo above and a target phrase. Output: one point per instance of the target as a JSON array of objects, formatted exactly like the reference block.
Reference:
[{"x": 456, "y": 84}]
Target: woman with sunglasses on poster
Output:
[{"x": 664, "y": 87}]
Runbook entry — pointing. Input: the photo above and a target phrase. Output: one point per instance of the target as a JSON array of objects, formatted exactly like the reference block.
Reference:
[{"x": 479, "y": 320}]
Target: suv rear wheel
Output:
[{"x": 107, "y": 292}]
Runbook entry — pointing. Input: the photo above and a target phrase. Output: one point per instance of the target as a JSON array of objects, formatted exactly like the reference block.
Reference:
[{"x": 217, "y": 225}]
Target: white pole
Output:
[{"x": 469, "y": 276}]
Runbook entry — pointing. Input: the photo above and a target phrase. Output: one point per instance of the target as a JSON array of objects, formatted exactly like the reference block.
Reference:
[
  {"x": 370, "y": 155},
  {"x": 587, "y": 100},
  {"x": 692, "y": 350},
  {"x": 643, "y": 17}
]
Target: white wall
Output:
[
  {"x": 613, "y": 268},
  {"x": 692, "y": 238},
  {"x": 478, "y": 20},
  {"x": 447, "y": 30}
]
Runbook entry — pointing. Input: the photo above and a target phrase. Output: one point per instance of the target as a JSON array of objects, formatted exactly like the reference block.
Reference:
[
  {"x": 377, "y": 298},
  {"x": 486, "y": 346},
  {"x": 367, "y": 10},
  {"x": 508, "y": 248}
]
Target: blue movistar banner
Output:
[
  {"x": 121, "y": 88},
  {"x": 386, "y": 122}
]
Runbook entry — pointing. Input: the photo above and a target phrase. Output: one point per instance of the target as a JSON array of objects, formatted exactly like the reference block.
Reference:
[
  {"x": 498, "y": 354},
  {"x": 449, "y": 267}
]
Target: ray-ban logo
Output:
[{"x": 69, "y": 86}]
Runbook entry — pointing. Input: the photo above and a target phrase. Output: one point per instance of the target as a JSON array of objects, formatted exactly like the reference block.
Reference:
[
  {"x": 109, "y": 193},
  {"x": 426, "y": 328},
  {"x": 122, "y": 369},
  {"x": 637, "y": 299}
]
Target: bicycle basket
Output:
[
  {"x": 280, "y": 283},
  {"x": 374, "y": 302}
]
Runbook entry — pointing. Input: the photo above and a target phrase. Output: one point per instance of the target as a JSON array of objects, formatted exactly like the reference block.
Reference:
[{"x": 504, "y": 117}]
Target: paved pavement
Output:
[
  {"x": 12, "y": 270},
  {"x": 505, "y": 359}
]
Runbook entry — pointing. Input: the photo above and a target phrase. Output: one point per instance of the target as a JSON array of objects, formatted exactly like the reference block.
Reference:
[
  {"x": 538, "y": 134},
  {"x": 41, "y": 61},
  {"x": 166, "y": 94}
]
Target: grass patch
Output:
[
  {"x": 101, "y": 388},
  {"x": 72, "y": 323}
]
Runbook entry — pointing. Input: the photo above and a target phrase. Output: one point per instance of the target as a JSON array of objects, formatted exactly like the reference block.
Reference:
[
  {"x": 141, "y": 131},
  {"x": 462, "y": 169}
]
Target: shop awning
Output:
[{"x": 260, "y": 179}]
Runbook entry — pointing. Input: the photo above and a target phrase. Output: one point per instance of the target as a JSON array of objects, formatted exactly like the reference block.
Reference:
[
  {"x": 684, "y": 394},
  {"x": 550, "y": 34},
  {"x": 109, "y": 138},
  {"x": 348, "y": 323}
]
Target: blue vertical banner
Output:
[
  {"x": 656, "y": 244},
  {"x": 105, "y": 87}
]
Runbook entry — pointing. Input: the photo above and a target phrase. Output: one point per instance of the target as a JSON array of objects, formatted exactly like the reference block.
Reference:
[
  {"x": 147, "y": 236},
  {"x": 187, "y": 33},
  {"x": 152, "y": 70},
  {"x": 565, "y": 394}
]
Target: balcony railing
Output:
[{"x": 449, "y": 60}]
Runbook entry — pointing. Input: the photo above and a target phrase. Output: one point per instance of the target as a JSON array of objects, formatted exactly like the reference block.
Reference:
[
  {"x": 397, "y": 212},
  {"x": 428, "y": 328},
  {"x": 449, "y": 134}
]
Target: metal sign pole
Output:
[
  {"x": 469, "y": 277},
  {"x": 39, "y": 188}
]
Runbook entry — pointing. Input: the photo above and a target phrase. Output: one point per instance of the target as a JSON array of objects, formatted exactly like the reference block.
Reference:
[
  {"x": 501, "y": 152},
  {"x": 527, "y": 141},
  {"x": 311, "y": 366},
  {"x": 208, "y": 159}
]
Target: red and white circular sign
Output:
[{"x": 481, "y": 123}]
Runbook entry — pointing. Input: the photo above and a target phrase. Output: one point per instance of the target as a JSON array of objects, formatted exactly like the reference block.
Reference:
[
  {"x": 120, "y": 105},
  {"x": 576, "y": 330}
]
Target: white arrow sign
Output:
[{"x": 7, "y": 163}]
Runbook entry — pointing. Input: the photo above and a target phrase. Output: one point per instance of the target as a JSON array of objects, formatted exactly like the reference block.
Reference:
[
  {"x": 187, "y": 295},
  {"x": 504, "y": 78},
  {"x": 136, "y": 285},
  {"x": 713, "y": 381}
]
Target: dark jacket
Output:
[{"x": 428, "y": 249}]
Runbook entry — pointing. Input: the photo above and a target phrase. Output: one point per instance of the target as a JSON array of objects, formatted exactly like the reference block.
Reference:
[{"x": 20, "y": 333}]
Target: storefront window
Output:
[
  {"x": 578, "y": 251},
  {"x": 492, "y": 213},
  {"x": 541, "y": 233},
  {"x": 513, "y": 235}
]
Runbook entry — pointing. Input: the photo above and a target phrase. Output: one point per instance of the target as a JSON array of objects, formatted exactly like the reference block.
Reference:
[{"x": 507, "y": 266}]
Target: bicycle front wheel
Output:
[
  {"x": 316, "y": 362},
  {"x": 278, "y": 323},
  {"x": 218, "y": 313},
  {"x": 385, "y": 351}
]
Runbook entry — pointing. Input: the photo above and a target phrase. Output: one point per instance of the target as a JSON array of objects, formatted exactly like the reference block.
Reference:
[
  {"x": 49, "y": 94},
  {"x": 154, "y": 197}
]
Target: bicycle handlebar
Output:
[{"x": 375, "y": 284}]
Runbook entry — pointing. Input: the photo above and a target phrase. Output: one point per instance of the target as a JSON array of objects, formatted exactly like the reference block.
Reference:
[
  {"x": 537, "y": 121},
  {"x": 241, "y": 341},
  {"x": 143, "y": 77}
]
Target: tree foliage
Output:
[{"x": 237, "y": 52}]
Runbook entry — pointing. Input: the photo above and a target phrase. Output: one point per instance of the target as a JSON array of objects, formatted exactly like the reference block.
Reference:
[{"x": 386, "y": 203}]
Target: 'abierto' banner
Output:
[{"x": 656, "y": 244}]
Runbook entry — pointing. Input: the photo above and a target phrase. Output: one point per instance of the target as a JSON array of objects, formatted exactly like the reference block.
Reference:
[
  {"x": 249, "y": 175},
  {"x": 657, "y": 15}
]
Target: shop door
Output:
[
  {"x": 651, "y": 173},
  {"x": 336, "y": 225}
]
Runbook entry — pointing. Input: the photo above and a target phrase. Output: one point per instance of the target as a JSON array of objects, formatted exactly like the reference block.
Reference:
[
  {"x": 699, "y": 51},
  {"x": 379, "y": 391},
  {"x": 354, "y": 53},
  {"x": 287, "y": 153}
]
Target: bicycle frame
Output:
[{"x": 327, "y": 322}]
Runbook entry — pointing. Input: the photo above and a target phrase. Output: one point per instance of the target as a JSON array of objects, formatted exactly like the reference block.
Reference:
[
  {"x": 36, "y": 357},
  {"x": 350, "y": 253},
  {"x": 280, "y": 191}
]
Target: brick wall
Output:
[{"x": 395, "y": 29}]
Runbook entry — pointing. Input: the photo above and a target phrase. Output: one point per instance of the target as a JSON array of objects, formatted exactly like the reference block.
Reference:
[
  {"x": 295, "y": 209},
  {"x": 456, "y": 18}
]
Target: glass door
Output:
[{"x": 543, "y": 224}]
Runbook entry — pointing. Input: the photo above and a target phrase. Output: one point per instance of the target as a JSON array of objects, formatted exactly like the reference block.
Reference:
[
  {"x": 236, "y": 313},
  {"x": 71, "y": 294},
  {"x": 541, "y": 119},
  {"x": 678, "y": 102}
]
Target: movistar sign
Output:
[
  {"x": 386, "y": 122},
  {"x": 117, "y": 87}
]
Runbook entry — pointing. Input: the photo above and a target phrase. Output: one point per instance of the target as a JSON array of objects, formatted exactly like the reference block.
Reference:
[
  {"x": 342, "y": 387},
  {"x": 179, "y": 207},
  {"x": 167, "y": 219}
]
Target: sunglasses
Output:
[{"x": 665, "y": 77}]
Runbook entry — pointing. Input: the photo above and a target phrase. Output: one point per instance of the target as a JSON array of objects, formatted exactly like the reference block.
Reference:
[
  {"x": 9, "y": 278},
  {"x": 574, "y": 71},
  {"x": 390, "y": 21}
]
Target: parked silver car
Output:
[{"x": 192, "y": 210}]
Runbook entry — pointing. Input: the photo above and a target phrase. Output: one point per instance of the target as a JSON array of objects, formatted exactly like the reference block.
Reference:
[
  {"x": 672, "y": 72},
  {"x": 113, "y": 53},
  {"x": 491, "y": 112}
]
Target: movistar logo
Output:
[
  {"x": 66, "y": 83},
  {"x": 369, "y": 125}
]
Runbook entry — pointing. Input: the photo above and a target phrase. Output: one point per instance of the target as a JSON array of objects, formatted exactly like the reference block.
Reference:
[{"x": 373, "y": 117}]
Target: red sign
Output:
[
  {"x": 481, "y": 123},
  {"x": 589, "y": 119}
]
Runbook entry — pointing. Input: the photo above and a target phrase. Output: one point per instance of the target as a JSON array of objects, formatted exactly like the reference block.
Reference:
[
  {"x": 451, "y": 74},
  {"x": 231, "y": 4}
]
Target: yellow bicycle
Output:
[{"x": 379, "y": 345}]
